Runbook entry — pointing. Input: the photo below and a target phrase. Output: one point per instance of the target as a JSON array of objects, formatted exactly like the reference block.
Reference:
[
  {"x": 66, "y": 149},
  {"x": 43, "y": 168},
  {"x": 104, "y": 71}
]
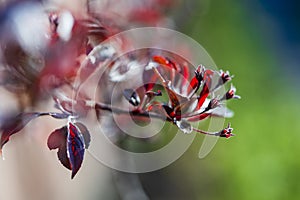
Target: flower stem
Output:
[{"x": 119, "y": 111}]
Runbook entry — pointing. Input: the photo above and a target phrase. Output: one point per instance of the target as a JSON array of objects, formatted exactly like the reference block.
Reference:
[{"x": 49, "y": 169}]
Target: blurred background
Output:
[{"x": 259, "y": 42}]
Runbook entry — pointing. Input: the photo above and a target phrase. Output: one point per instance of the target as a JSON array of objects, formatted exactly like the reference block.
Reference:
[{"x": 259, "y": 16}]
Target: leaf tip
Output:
[{"x": 73, "y": 174}]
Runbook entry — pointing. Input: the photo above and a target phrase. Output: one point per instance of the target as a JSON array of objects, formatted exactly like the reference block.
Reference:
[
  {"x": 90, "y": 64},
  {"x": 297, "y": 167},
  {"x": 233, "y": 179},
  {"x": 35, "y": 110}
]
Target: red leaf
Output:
[
  {"x": 164, "y": 62},
  {"x": 149, "y": 86},
  {"x": 160, "y": 60},
  {"x": 85, "y": 133},
  {"x": 75, "y": 148},
  {"x": 196, "y": 80},
  {"x": 76, "y": 137},
  {"x": 193, "y": 84},
  {"x": 205, "y": 90},
  {"x": 58, "y": 139},
  {"x": 14, "y": 125},
  {"x": 203, "y": 95},
  {"x": 173, "y": 65}
]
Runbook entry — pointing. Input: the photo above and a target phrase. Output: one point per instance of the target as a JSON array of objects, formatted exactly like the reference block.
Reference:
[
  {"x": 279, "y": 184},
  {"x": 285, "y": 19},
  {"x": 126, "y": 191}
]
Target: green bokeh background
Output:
[{"x": 262, "y": 161}]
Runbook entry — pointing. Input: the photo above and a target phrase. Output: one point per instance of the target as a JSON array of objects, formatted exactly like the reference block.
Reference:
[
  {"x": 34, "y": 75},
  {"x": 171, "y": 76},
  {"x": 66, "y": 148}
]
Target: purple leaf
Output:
[
  {"x": 75, "y": 148},
  {"x": 85, "y": 133},
  {"x": 70, "y": 142},
  {"x": 14, "y": 124},
  {"x": 58, "y": 139}
]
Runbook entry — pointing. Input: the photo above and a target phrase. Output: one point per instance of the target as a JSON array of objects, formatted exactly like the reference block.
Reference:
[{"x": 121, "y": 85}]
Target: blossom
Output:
[
  {"x": 230, "y": 94},
  {"x": 42, "y": 59},
  {"x": 190, "y": 96},
  {"x": 180, "y": 107}
]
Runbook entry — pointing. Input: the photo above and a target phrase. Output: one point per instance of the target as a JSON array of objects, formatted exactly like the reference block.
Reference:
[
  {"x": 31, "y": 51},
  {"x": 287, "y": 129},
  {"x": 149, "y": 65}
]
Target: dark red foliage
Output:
[
  {"x": 14, "y": 124},
  {"x": 85, "y": 133},
  {"x": 207, "y": 78},
  {"x": 71, "y": 142},
  {"x": 203, "y": 95},
  {"x": 58, "y": 140},
  {"x": 75, "y": 148}
]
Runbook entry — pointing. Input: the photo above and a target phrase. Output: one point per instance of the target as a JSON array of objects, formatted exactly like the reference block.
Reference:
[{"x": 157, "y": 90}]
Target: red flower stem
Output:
[{"x": 203, "y": 132}]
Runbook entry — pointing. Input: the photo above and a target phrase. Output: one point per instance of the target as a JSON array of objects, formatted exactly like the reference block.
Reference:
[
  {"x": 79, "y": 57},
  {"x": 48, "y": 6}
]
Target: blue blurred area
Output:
[
  {"x": 279, "y": 23},
  {"x": 286, "y": 15}
]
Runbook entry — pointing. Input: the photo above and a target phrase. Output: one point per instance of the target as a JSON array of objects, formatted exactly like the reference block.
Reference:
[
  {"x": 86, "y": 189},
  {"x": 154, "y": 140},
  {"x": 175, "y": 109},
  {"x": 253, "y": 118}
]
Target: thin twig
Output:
[
  {"x": 138, "y": 113},
  {"x": 203, "y": 132}
]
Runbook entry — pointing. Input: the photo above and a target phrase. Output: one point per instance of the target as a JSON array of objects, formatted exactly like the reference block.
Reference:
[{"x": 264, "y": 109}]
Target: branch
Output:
[{"x": 119, "y": 111}]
